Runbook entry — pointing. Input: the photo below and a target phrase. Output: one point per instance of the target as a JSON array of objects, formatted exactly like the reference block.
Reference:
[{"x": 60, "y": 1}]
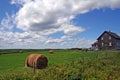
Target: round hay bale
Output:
[
  {"x": 51, "y": 51},
  {"x": 21, "y": 51},
  {"x": 38, "y": 61}
]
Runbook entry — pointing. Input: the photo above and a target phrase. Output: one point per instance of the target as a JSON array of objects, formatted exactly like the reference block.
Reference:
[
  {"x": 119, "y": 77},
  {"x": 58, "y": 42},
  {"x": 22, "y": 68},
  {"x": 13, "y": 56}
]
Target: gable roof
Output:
[{"x": 110, "y": 33}]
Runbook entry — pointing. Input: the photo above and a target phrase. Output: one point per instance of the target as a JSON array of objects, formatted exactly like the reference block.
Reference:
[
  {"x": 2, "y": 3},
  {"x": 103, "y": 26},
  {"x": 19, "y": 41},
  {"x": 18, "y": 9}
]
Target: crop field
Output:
[{"x": 62, "y": 65}]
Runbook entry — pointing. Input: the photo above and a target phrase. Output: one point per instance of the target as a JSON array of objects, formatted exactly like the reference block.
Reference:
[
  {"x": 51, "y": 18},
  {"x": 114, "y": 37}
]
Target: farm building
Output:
[{"x": 107, "y": 40}]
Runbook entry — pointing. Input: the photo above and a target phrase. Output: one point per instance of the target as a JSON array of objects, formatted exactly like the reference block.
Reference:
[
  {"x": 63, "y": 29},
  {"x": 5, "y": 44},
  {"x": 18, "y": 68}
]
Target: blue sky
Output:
[
  {"x": 6, "y": 7},
  {"x": 40, "y": 24},
  {"x": 97, "y": 21}
]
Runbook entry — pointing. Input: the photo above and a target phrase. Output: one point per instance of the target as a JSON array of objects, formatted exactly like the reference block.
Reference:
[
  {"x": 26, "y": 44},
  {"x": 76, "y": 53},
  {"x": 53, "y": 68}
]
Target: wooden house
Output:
[{"x": 107, "y": 40}]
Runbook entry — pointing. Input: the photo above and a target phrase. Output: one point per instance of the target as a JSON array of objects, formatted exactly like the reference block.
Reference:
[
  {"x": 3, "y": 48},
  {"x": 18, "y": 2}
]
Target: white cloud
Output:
[
  {"x": 69, "y": 42},
  {"x": 82, "y": 43},
  {"x": 42, "y": 15},
  {"x": 40, "y": 18},
  {"x": 21, "y": 40},
  {"x": 34, "y": 40},
  {"x": 57, "y": 40},
  {"x": 71, "y": 29},
  {"x": 20, "y": 2},
  {"x": 7, "y": 23}
]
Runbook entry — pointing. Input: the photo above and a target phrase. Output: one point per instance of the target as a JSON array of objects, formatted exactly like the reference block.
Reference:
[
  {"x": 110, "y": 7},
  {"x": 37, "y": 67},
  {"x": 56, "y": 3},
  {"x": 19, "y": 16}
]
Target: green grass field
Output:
[{"x": 63, "y": 65}]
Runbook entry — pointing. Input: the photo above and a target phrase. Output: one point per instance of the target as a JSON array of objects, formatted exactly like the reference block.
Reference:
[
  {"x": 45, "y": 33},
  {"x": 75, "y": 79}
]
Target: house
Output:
[
  {"x": 107, "y": 40},
  {"x": 95, "y": 46}
]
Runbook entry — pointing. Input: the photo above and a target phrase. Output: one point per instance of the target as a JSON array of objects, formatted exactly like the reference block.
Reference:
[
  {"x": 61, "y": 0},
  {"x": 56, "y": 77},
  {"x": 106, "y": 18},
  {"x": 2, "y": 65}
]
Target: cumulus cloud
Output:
[
  {"x": 7, "y": 23},
  {"x": 71, "y": 29},
  {"x": 58, "y": 40},
  {"x": 34, "y": 40},
  {"x": 82, "y": 43},
  {"x": 43, "y": 15},
  {"x": 40, "y": 15},
  {"x": 40, "y": 18},
  {"x": 21, "y": 40}
]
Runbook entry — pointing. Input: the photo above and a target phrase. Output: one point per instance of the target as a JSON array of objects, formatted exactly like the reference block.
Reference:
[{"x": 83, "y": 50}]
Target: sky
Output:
[{"x": 58, "y": 24}]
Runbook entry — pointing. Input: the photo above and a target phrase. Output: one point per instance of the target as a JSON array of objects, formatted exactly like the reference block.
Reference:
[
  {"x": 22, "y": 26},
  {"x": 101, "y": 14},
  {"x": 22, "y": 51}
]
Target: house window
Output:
[
  {"x": 118, "y": 45},
  {"x": 101, "y": 38},
  {"x": 110, "y": 44},
  {"x": 96, "y": 46},
  {"x": 109, "y": 37},
  {"x": 102, "y": 44}
]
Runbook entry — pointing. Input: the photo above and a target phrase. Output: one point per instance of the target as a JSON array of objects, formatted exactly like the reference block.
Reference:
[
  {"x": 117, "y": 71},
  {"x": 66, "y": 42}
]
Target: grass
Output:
[
  {"x": 63, "y": 65},
  {"x": 14, "y": 62}
]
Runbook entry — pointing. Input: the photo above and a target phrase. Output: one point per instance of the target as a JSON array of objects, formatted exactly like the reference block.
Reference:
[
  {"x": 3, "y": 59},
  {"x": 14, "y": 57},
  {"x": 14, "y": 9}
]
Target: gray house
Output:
[{"x": 107, "y": 40}]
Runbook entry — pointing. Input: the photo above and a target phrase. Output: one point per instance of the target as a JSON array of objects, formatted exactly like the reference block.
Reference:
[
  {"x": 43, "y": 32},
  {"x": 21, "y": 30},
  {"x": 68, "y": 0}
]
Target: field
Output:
[{"x": 62, "y": 65}]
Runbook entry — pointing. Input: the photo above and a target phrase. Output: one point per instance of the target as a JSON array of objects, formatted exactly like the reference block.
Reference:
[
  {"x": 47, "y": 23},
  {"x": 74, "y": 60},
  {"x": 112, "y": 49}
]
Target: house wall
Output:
[
  {"x": 106, "y": 41},
  {"x": 95, "y": 46},
  {"x": 118, "y": 44}
]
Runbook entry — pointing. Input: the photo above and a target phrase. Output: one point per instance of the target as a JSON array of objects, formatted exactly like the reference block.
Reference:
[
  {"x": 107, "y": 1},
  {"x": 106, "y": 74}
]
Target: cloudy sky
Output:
[{"x": 40, "y": 24}]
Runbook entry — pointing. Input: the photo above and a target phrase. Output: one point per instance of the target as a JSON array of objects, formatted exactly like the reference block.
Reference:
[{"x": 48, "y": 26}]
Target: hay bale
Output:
[
  {"x": 21, "y": 51},
  {"x": 51, "y": 51},
  {"x": 39, "y": 61}
]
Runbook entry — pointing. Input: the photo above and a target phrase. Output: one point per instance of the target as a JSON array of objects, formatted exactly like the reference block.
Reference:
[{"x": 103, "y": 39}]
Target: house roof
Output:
[{"x": 110, "y": 33}]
